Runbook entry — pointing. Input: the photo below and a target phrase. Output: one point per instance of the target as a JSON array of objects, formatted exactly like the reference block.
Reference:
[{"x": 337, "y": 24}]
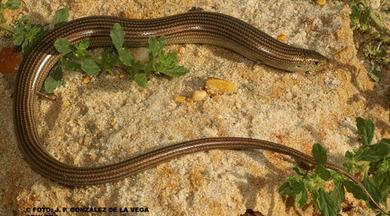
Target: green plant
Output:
[
  {"x": 313, "y": 182},
  {"x": 61, "y": 16},
  {"x": 76, "y": 57},
  {"x": 371, "y": 160},
  {"x": 374, "y": 37},
  {"x": 159, "y": 60},
  {"x": 26, "y": 33}
]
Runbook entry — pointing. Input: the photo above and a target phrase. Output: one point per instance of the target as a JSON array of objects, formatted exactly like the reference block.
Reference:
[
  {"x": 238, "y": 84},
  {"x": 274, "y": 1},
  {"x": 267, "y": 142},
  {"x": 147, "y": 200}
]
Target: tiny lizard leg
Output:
[{"x": 47, "y": 96}]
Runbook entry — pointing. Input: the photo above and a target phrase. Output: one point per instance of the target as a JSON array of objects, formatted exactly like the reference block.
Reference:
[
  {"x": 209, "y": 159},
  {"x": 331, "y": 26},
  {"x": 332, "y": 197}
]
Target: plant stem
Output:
[{"x": 6, "y": 27}]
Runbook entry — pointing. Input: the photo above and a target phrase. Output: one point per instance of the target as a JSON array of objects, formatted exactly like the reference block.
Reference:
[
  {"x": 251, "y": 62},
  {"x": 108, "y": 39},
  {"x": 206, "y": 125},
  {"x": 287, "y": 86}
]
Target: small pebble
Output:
[
  {"x": 321, "y": 2},
  {"x": 113, "y": 122},
  {"x": 141, "y": 54},
  {"x": 215, "y": 86},
  {"x": 199, "y": 95},
  {"x": 180, "y": 99},
  {"x": 282, "y": 38},
  {"x": 87, "y": 79}
]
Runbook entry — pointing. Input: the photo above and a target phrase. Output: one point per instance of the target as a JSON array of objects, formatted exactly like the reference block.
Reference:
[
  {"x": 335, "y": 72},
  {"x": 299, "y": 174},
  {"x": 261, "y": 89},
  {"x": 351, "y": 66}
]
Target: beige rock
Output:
[
  {"x": 141, "y": 54},
  {"x": 215, "y": 86},
  {"x": 87, "y": 79},
  {"x": 180, "y": 99},
  {"x": 282, "y": 38},
  {"x": 199, "y": 95},
  {"x": 321, "y": 2}
]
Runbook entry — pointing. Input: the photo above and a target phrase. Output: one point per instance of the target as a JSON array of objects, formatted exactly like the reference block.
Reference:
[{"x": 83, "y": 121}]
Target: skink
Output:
[{"x": 192, "y": 27}]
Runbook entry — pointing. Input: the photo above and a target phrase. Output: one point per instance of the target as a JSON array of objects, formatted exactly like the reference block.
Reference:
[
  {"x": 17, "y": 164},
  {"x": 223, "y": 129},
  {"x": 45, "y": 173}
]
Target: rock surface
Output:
[{"x": 110, "y": 118}]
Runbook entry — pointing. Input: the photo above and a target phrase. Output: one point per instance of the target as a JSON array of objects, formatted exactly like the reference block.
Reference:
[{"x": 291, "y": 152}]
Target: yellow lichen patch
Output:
[
  {"x": 215, "y": 86},
  {"x": 87, "y": 79},
  {"x": 321, "y": 2},
  {"x": 282, "y": 38},
  {"x": 199, "y": 95},
  {"x": 180, "y": 99}
]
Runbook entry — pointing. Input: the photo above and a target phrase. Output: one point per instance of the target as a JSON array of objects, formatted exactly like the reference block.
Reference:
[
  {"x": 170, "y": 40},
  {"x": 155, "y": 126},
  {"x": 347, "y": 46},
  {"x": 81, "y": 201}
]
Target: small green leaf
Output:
[
  {"x": 51, "y": 84},
  {"x": 31, "y": 36},
  {"x": 141, "y": 79},
  {"x": 137, "y": 67},
  {"x": 125, "y": 56},
  {"x": 366, "y": 130},
  {"x": 291, "y": 186},
  {"x": 90, "y": 67},
  {"x": 167, "y": 65},
  {"x": 61, "y": 16},
  {"x": 301, "y": 198},
  {"x": 117, "y": 36},
  {"x": 337, "y": 195},
  {"x": 70, "y": 64},
  {"x": 382, "y": 176},
  {"x": 375, "y": 71},
  {"x": 82, "y": 45},
  {"x": 315, "y": 196},
  {"x": 155, "y": 47},
  {"x": 327, "y": 205},
  {"x": 373, "y": 190},
  {"x": 23, "y": 21},
  {"x": 12, "y": 4},
  {"x": 109, "y": 60},
  {"x": 63, "y": 46},
  {"x": 25, "y": 33},
  {"x": 357, "y": 191},
  {"x": 175, "y": 71},
  {"x": 354, "y": 16},
  {"x": 349, "y": 154},
  {"x": 81, "y": 48},
  {"x": 319, "y": 154},
  {"x": 57, "y": 73},
  {"x": 168, "y": 59},
  {"x": 286, "y": 189},
  {"x": 374, "y": 152},
  {"x": 354, "y": 165},
  {"x": 53, "y": 80},
  {"x": 18, "y": 37},
  {"x": 360, "y": 16},
  {"x": 323, "y": 172}
]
